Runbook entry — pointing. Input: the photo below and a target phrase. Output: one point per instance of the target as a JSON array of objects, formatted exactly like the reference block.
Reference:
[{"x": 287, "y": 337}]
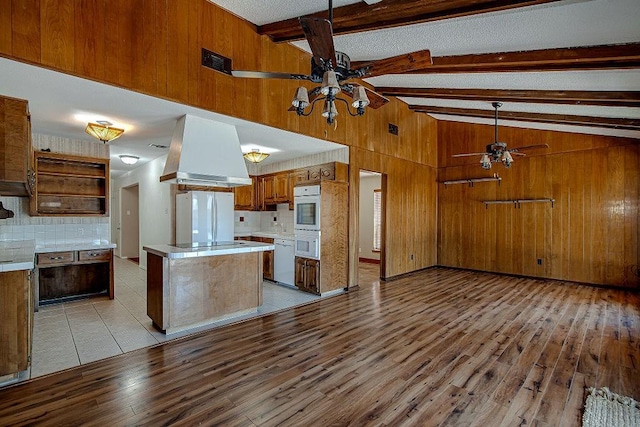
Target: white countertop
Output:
[
  {"x": 17, "y": 255},
  {"x": 77, "y": 246},
  {"x": 174, "y": 252},
  {"x": 20, "y": 254}
]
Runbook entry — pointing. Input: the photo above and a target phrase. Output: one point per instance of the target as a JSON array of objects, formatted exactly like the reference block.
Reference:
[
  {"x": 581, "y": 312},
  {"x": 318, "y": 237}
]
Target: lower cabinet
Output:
[
  {"x": 308, "y": 275},
  {"x": 16, "y": 321},
  {"x": 72, "y": 274},
  {"x": 267, "y": 257}
]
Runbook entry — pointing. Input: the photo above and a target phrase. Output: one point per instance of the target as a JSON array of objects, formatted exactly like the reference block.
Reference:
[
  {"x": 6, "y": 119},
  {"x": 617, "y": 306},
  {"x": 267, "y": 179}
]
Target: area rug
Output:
[{"x": 605, "y": 408}]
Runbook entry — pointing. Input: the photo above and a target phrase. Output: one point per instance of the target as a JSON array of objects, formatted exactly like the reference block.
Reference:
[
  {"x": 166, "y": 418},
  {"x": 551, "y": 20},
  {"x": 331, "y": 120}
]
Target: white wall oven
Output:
[
  {"x": 307, "y": 244},
  {"x": 306, "y": 208}
]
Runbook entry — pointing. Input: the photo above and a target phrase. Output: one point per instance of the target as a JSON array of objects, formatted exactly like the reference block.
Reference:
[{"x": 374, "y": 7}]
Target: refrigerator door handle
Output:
[{"x": 215, "y": 218}]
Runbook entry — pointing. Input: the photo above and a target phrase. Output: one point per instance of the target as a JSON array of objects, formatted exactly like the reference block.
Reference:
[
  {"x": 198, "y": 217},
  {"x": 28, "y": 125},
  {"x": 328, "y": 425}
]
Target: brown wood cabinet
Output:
[
  {"x": 72, "y": 274},
  {"x": 16, "y": 321},
  {"x": 276, "y": 188},
  {"x": 334, "y": 171},
  {"x": 267, "y": 257},
  {"x": 246, "y": 196},
  {"x": 70, "y": 185},
  {"x": 307, "y": 275},
  {"x": 15, "y": 147}
]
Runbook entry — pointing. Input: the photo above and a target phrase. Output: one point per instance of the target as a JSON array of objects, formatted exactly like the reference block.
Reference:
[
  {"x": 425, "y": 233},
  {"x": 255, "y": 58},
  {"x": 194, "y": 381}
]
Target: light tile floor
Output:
[{"x": 78, "y": 332}]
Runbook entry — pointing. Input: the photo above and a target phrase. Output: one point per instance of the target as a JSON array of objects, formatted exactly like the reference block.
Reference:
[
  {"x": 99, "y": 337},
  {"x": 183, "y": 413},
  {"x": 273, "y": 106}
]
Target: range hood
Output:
[{"x": 205, "y": 152}]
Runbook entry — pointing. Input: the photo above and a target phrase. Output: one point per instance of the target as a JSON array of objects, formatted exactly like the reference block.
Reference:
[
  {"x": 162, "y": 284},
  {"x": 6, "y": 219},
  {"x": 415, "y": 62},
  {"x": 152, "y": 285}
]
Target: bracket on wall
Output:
[
  {"x": 517, "y": 202},
  {"x": 470, "y": 181}
]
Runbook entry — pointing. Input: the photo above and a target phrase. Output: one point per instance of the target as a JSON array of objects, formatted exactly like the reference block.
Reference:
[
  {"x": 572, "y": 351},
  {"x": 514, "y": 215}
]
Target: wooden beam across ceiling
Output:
[
  {"x": 573, "y": 97},
  {"x": 575, "y": 58},
  {"x": 359, "y": 17},
  {"x": 564, "y": 119}
]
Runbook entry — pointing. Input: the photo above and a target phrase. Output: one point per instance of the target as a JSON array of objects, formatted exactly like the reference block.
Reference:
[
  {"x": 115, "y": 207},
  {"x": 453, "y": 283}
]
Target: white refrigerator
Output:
[{"x": 204, "y": 216}]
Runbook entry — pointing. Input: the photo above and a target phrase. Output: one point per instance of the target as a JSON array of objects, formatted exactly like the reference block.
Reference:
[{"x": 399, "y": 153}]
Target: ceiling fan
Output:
[
  {"x": 497, "y": 151},
  {"x": 332, "y": 69}
]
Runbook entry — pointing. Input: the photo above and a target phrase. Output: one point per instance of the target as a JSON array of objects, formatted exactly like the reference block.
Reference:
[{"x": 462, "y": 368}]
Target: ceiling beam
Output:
[
  {"x": 573, "y": 58},
  {"x": 359, "y": 17},
  {"x": 563, "y": 119},
  {"x": 573, "y": 97}
]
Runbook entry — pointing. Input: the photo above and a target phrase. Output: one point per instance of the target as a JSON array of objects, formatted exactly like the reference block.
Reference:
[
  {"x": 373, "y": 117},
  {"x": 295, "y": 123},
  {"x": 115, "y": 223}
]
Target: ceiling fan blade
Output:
[
  {"x": 319, "y": 34},
  {"x": 398, "y": 64},
  {"x": 468, "y": 154},
  {"x": 375, "y": 99},
  {"x": 268, "y": 75},
  {"x": 528, "y": 147},
  {"x": 313, "y": 94}
]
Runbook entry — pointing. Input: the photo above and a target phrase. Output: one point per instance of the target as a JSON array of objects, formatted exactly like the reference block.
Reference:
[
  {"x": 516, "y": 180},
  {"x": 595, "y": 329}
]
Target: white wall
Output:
[
  {"x": 367, "y": 185},
  {"x": 129, "y": 222},
  {"x": 156, "y": 220}
]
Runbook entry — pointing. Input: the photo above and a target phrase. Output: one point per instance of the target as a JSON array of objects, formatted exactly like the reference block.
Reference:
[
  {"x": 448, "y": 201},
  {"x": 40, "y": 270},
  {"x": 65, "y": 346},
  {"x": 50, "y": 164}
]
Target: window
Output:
[{"x": 377, "y": 219}]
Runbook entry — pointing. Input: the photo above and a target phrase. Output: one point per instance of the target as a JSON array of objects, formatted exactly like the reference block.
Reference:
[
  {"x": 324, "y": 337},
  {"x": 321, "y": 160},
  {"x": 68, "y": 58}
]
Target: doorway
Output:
[
  {"x": 129, "y": 223},
  {"x": 371, "y": 226}
]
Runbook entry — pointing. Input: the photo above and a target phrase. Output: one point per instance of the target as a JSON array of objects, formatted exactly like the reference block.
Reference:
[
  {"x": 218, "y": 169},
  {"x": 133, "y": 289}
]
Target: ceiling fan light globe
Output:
[
  {"x": 329, "y": 110},
  {"x": 330, "y": 84},
  {"x": 301, "y": 98},
  {"x": 360, "y": 98},
  {"x": 507, "y": 159},
  {"x": 485, "y": 161}
]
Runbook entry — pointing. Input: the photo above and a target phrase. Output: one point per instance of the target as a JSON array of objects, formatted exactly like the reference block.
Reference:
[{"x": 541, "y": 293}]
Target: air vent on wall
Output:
[{"x": 215, "y": 61}]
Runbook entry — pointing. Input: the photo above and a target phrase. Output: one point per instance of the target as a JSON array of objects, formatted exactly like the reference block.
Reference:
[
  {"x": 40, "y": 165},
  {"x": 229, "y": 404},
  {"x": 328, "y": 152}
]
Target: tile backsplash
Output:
[
  {"x": 264, "y": 221},
  {"x": 50, "y": 230}
]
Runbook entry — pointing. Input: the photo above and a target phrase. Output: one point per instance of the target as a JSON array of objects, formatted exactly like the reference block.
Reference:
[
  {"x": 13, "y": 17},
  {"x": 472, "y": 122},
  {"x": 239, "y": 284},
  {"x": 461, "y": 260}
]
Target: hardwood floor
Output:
[{"x": 440, "y": 347}]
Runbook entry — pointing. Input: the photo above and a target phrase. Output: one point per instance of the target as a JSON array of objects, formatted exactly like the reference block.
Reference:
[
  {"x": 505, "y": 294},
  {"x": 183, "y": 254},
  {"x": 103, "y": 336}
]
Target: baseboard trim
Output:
[{"x": 369, "y": 260}]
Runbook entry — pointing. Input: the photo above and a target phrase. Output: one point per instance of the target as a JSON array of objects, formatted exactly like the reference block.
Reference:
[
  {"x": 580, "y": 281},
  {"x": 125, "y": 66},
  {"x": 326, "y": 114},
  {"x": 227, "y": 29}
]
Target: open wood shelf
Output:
[
  {"x": 70, "y": 185},
  {"x": 517, "y": 202},
  {"x": 471, "y": 181}
]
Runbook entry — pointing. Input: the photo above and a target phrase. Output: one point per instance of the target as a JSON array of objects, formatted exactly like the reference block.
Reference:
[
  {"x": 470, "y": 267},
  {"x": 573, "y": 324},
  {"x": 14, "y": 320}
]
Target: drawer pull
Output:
[
  {"x": 53, "y": 258},
  {"x": 93, "y": 254}
]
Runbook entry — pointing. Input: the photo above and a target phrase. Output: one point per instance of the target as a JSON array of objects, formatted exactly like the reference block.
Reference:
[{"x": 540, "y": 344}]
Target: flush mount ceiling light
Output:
[
  {"x": 255, "y": 156},
  {"x": 103, "y": 131},
  {"x": 128, "y": 159}
]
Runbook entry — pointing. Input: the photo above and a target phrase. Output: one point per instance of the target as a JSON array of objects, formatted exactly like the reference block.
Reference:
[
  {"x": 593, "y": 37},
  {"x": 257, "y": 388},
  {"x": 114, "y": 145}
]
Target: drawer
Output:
[
  {"x": 95, "y": 255},
  {"x": 53, "y": 258}
]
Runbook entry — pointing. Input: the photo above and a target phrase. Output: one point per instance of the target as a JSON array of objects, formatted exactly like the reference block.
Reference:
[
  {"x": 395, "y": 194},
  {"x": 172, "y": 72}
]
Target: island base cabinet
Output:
[
  {"x": 188, "y": 292},
  {"x": 307, "y": 275},
  {"x": 16, "y": 322}
]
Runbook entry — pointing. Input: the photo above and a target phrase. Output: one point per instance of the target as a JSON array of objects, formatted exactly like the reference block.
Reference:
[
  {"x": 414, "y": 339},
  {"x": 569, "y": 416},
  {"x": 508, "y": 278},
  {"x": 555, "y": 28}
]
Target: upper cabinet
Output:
[
  {"x": 15, "y": 147},
  {"x": 68, "y": 185},
  {"x": 276, "y": 188},
  {"x": 245, "y": 196}
]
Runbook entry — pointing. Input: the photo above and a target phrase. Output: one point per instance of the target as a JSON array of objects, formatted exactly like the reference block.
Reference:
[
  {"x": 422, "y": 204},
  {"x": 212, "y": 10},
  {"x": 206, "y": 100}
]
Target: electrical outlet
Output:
[
  {"x": 241, "y": 219},
  {"x": 412, "y": 257},
  {"x": 539, "y": 261},
  {"x": 80, "y": 231}
]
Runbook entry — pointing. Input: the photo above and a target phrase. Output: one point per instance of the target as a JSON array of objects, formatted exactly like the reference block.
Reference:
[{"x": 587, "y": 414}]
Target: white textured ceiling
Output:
[{"x": 570, "y": 23}]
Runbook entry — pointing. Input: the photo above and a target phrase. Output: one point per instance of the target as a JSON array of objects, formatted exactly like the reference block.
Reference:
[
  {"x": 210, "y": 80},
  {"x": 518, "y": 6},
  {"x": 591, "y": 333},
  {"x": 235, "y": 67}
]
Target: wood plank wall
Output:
[
  {"x": 154, "y": 47},
  {"x": 410, "y": 212},
  {"x": 590, "y": 235}
]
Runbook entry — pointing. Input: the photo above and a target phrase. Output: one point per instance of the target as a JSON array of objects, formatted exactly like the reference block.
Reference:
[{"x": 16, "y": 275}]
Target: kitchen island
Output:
[{"x": 195, "y": 285}]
